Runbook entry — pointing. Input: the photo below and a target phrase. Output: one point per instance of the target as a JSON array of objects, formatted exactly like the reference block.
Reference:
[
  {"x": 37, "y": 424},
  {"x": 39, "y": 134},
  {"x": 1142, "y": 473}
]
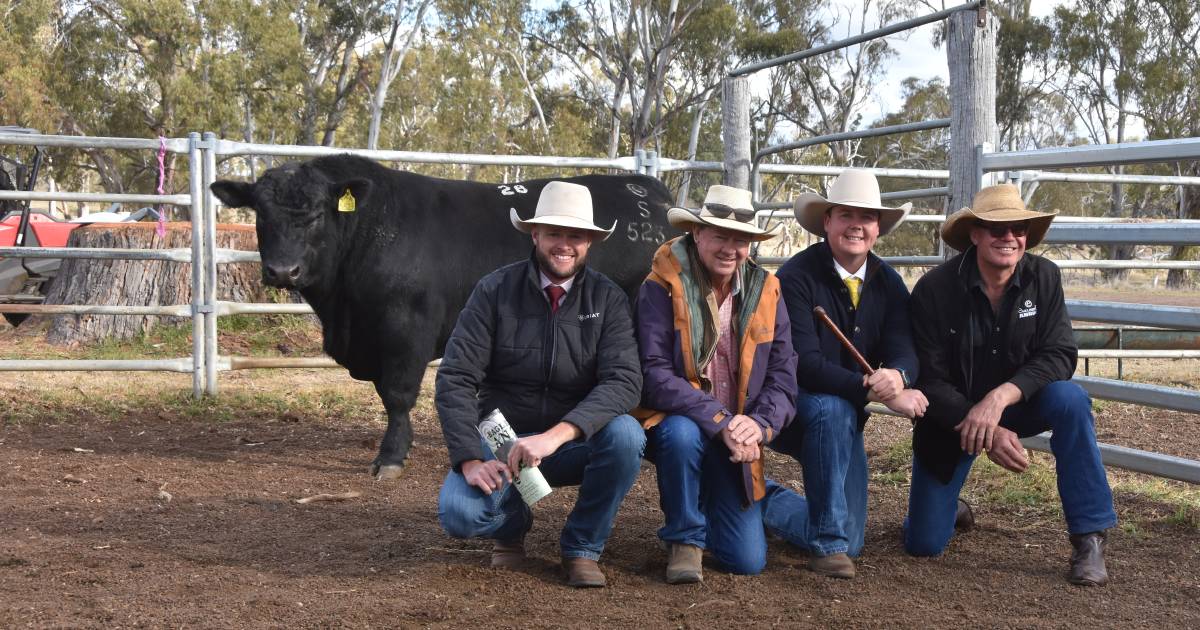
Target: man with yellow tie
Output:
[{"x": 868, "y": 301}]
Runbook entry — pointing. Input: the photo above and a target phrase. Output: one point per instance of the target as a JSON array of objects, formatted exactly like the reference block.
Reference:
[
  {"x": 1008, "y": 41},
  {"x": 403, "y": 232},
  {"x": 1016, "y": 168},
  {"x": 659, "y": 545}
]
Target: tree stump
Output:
[{"x": 141, "y": 282}]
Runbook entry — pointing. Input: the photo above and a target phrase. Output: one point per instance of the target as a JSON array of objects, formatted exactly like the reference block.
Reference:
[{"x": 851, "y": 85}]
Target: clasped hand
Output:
[
  {"x": 887, "y": 386},
  {"x": 743, "y": 437}
]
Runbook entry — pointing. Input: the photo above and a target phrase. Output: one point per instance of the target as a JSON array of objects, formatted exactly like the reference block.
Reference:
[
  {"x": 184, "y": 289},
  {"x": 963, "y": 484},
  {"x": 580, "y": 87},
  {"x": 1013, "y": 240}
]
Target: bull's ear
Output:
[
  {"x": 234, "y": 194},
  {"x": 359, "y": 188}
]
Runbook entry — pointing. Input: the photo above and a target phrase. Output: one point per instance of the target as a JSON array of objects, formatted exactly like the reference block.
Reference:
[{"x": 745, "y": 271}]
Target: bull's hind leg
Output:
[{"x": 398, "y": 388}]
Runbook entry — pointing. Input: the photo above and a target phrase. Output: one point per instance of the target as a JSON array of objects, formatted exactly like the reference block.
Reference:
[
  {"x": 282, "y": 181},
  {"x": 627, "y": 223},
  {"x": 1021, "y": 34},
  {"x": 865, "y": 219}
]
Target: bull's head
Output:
[{"x": 296, "y": 209}]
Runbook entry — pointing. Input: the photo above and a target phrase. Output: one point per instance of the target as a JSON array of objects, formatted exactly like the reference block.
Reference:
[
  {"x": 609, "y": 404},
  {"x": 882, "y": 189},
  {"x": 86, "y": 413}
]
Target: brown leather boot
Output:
[
  {"x": 684, "y": 564},
  {"x": 508, "y": 554},
  {"x": 964, "y": 518},
  {"x": 583, "y": 573},
  {"x": 835, "y": 565},
  {"x": 1087, "y": 560}
]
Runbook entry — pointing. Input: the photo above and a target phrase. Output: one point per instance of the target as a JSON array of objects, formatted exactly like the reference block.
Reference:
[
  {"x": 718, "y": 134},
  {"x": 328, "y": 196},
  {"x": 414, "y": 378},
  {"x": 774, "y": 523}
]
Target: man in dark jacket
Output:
[
  {"x": 868, "y": 302},
  {"x": 997, "y": 354},
  {"x": 550, "y": 344},
  {"x": 719, "y": 384}
]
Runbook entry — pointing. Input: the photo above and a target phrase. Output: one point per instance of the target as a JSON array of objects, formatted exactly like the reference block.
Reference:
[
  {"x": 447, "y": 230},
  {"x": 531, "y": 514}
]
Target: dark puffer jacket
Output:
[{"x": 508, "y": 352}]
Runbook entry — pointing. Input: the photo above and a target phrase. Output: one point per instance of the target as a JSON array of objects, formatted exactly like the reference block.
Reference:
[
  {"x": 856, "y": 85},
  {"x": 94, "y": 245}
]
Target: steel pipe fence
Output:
[
  {"x": 857, "y": 39},
  {"x": 185, "y": 364},
  {"x": 195, "y": 310},
  {"x": 177, "y": 254},
  {"x": 205, "y": 364},
  {"x": 872, "y": 132},
  {"x": 1092, "y": 155},
  {"x": 33, "y": 195}
]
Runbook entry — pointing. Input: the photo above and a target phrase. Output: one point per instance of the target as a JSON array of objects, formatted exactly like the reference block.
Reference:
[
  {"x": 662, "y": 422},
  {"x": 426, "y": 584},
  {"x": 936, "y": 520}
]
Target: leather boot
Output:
[
  {"x": 1087, "y": 560},
  {"x": 964, "y": 518},
  {"x": 508, "y": 554},
  {"x": 583, "y": 573},
  {"x": 683, "y": 564},
  {"x": 836, "y": 565}
]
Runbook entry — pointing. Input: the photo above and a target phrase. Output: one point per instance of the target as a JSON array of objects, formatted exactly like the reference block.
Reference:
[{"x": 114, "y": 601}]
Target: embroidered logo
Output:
[
  {"x": 1029, "y": 310},
  {"x": 589, "y": 316}
]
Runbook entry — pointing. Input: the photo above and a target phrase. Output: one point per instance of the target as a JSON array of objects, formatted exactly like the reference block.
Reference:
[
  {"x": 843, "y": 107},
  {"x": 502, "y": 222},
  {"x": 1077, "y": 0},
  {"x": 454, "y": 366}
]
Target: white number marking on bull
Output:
[
  {"x": 507, "y": 190},
  {"x": 645, "y": 232}
]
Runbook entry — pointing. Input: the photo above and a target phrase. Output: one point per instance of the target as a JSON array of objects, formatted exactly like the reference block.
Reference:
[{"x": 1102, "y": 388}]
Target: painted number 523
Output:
[{"x": 644, "y": 231}]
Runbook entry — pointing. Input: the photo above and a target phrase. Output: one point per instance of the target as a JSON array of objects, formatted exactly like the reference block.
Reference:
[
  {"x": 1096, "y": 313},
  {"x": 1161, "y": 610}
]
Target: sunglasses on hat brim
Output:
[
  {"x": 721, "y": 211},
  {"x": 999, "y": 230}
]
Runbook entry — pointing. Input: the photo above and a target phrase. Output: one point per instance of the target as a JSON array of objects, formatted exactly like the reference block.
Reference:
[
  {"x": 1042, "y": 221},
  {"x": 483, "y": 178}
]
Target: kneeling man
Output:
[
  {"x": 868, "y": 302},
  {"x": 720, "y": 379},
  {"x": 550, "y": 343},
  {"x": 997, "y": 354}
]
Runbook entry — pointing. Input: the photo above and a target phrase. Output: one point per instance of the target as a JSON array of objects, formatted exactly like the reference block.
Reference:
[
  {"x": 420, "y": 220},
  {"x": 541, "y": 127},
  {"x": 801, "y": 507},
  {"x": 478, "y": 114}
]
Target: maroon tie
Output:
[{"x": 554, "y": 292}]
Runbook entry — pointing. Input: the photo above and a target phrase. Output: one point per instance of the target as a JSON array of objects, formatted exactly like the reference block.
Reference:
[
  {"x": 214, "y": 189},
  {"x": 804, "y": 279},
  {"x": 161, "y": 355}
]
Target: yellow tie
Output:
[{"x": 852, "y": 284}]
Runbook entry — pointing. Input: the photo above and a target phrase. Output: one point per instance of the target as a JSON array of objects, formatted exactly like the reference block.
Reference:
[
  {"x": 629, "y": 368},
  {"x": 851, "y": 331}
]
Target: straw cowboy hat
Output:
[
  {"x": 563, "y": 204},
  {"x": 855, "y": 188},
  {"x": 724, "y": 207},
  {"x": 997, "y": 204}
]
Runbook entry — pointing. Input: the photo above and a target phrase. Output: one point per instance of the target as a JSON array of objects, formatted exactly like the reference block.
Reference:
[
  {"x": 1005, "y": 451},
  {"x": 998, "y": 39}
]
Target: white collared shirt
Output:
[
  {"x": 861, "y": 274},
  {"x": 565, "y": 284}
]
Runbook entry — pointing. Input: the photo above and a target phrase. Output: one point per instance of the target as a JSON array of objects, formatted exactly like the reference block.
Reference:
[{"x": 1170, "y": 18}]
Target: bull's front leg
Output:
[{"x": 398, "y": 388}]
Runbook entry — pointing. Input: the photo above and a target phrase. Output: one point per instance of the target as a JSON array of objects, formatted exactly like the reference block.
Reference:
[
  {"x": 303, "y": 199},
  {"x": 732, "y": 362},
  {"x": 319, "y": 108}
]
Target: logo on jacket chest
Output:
[
  {"x": 1028, "y": 309},
  {"x": 588, "y": 316}
]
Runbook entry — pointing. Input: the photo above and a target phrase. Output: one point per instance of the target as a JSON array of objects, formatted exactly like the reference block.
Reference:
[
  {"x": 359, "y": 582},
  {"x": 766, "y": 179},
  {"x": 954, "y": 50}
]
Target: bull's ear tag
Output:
[{"x": 346, "y": 203}]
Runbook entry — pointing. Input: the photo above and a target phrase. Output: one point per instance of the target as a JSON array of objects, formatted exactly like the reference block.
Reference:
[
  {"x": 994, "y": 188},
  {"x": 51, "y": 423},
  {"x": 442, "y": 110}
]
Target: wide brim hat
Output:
[
  {"x": 997, "y": 204},
  {"x": 855, "y": 188},
  {"x": 562, "y": 204},
  {"x": 723, "y": 205}
]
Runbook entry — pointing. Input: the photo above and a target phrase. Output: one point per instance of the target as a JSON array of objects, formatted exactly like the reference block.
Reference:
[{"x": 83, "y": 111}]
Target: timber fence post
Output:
[
  {"x": 735, "y": 131},
  {"x": 971, "y": 57}
]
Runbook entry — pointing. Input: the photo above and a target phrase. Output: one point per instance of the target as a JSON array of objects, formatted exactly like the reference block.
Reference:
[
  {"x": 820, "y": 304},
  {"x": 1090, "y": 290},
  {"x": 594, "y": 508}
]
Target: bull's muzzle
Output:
[{"x": 282, "y": 276}]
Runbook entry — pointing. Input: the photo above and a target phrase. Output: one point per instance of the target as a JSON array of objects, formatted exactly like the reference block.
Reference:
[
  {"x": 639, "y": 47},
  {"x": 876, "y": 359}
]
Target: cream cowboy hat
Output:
[
  {"x": 999, "y": 204},
  {"x": 855, "y": 188},
  {"x": 724, "y": 207},
  {"x": 563, "y": 204}
]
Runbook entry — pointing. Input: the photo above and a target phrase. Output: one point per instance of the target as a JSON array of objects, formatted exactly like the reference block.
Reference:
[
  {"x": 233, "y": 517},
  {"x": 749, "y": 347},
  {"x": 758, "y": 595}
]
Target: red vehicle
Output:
[{"x": 24, "y": 280}]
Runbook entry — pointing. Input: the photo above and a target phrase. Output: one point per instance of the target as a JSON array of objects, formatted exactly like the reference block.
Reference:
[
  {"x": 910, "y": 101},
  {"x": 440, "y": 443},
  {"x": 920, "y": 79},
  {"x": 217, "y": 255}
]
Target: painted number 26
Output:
[{"x": 518, "y": 189}]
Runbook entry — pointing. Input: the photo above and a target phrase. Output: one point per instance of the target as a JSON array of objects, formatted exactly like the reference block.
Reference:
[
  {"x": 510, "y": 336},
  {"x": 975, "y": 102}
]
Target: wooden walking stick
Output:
[{"x": 820, "y": 312}]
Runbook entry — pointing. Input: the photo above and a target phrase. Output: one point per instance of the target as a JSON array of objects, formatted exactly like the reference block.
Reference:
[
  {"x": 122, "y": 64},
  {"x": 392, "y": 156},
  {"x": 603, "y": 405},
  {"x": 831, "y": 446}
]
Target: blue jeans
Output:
[
  {"x": 826, "y": 439},
  {"x": 701, "y": 495},
  {"x": 604, "y": 467},
  {"x": 1065, "y": 409}
]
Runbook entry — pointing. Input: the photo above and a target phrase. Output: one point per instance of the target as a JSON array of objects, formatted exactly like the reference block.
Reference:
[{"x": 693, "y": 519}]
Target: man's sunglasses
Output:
[
  {"x": 999, "y": 230},
  {"x": 722, "y": 211}
]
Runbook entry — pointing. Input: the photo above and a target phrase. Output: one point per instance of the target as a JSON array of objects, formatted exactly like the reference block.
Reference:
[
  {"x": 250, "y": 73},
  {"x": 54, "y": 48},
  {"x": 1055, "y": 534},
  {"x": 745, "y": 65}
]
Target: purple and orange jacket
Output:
[{"x": 676, "y": 339}]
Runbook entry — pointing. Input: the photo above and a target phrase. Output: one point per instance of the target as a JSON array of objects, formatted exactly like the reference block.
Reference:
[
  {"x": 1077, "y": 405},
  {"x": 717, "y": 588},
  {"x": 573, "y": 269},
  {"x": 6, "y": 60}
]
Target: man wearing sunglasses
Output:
[
  {"x": 719, "y": 379},
  {"x": 868, "y": 302},
  {"x": 997, "y": 355}
]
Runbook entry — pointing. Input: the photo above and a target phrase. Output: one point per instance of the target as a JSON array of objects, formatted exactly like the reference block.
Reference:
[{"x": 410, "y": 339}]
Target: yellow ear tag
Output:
[{"x": 346, "y": 203}]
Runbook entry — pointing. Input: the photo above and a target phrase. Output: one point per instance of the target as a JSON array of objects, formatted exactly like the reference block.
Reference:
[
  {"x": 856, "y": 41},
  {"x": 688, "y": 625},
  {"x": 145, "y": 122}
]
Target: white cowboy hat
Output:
[
  {"x": 724, "y": 207},
  {"x": 563, "y": 204},
  {"x": 855, "y": 188},
  {"x": 999, "y": 204}
]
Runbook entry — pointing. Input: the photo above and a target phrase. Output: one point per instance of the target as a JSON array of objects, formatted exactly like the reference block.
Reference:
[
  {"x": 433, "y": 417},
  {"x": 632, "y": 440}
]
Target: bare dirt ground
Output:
[{"x": 175, "y": 513}]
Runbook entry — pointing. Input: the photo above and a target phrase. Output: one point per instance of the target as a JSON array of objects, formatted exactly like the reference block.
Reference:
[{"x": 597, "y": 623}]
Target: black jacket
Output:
[
  {"x": 879, "y": 327},
  {"x": 1040, "y": 346},
  {"x": 508, "y": 352}
]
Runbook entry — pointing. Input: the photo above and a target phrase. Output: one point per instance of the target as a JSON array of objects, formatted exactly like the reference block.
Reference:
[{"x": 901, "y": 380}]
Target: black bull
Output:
[{"x": 388, "y": 277}]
